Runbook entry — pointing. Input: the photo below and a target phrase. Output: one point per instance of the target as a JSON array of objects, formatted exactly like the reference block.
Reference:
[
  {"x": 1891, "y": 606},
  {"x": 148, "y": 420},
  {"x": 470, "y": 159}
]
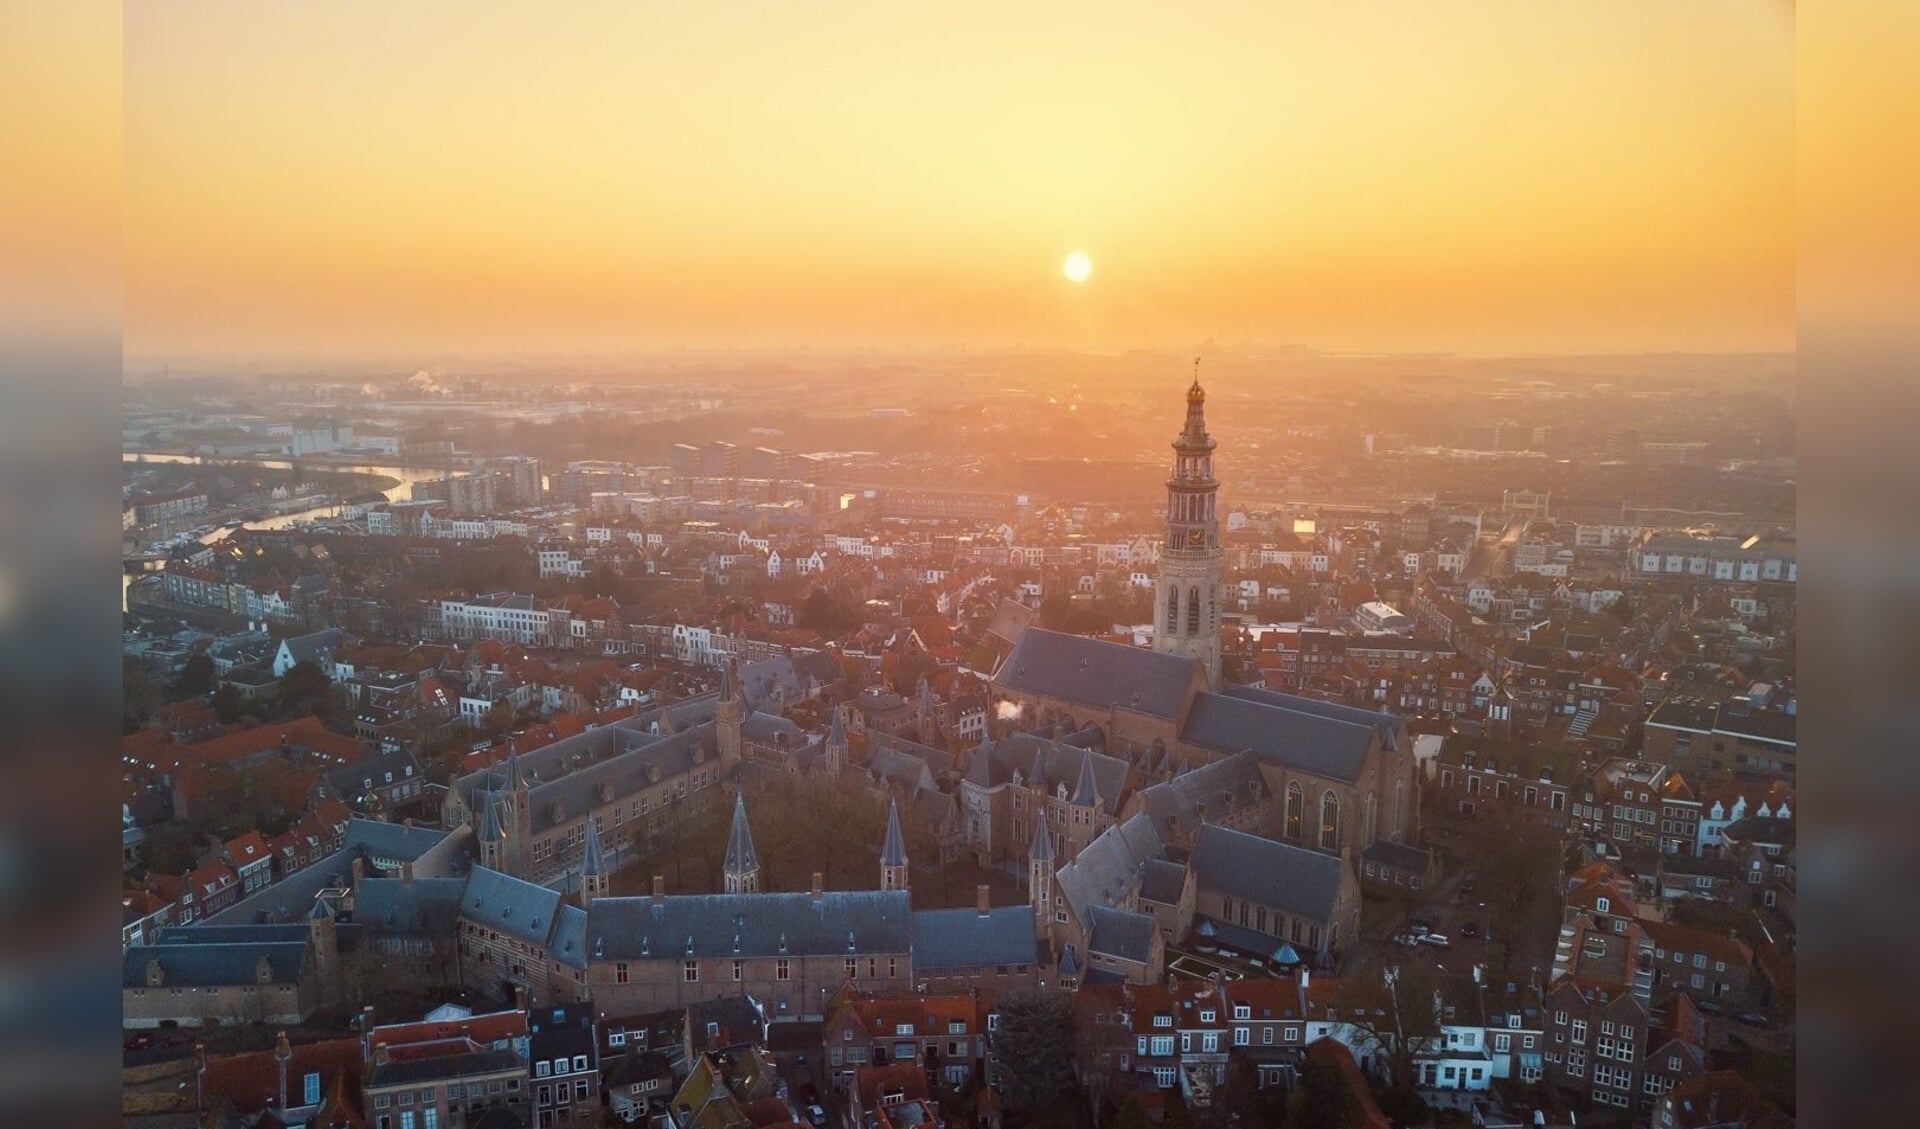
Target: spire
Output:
[
  {"x": 894, "y": 851},
  {"x": 489, "y": 818},
  {"x": 1042, "y": 849},
  {"x": 515, "y": 779},
  {"x": 726, "y": 682},
  {"x": 591, "y": 861},
  {"x": 1086, "y": 793},
  {"x": 742, "y": 871},
  {"x": 1038, "y": 780},
  {"x": 838, "y": 734}
]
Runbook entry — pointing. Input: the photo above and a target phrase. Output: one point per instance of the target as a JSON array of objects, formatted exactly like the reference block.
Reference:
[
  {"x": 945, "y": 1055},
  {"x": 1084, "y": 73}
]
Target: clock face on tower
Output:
[{"x": 1196, "y": 538}]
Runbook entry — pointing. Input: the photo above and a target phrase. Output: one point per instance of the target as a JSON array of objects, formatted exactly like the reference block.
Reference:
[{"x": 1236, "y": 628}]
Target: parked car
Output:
[
  {"x": 1419, "y": 927},
  {"x": 1437, "y": 940},
  {"x": 1752, "y": 1018},
  {"x": 1407, "y": 939},
  {"x": 1709, "y": 1007},
  {"x": 816, "y": 1116}
]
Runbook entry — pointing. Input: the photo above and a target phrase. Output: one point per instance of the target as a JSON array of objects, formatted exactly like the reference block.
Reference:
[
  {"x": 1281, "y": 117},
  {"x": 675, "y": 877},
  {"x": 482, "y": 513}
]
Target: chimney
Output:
[
  {"x": 282, "y": 1052},
  {"x": 659, "y": 888},
  {"x": 983, "y": 897},
  {"x": 819, "y": 885},
  {"x": 359, "y": 871}
]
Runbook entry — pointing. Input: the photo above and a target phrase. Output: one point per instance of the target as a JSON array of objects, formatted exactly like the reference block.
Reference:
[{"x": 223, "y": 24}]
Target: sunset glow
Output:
[
  {"x": 1077, "y": 267},
  {"x": 1479, "y": 177}
]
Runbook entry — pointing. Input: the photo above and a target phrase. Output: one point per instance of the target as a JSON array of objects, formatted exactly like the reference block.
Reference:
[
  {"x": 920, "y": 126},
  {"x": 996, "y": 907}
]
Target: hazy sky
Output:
[{"x": 432, "y": 178}]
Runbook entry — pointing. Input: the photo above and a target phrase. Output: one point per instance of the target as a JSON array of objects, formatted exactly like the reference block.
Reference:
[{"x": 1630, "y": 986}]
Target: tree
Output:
[
  {"x": 1517, "y": 862},
  {"x": 1321, "y": 1098},
  {"x": 302, "y": 688},
  {"x": 1132, "y": 1115},
  {"x": 228, "y": 704},
  {"x": 1034, "y": 1046},
  {"x": 1396, "y": 1016},
  {"x": 499, "y": 717},
  {"x": 196, "y": 677}
]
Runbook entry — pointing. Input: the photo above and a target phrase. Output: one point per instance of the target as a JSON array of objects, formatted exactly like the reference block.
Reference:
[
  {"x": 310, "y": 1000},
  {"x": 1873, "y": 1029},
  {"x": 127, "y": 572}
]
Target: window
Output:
[
  {"x": 1242, "y": 1011},
  {"x": 1186, "y": 1042},
  {"x": 1266, "y": 1036},
  {"x": 1163, "y": 1077},
  {"x": 1502, "y": 1044},
  {"x": 739, "y": 967},
  {"x": 1162, "y": 1045},
  {"x": 1296, "y": 808},
  {"x": 690, "y": 972},
  {"x": 1163, "y": 1021},
  {"x": 620, "y": 972},
  {"x": 1206, "y": 1017},
  {"x": 1579, "y": 1031},
  {"x": 1240, "y": 1036},
  {"x": 310, "y": 1089},
  {"x": 782, "y": 969},
  {"x": 1329, "y": 821},
  {"x": 1209, "y": 1042}
]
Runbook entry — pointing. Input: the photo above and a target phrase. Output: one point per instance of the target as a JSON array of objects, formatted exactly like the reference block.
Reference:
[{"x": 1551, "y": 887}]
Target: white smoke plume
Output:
[
  {"x": 427, "y": 384},
  {"x": 1007, "y": 711}
]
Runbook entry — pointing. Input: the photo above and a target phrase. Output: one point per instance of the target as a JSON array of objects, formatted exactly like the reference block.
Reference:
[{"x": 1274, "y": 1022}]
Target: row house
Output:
[
  {"x": 1700, "y": 962},
  {"x": 1607, "y": 1045},
  {"x": 447, "y": 1072},
  {"x": 1165, "y": 1038},
  {"x": 1728, "y": 803},
  {"x": 1471, "y": 772},
  {"x": 945, "y": 1035}
]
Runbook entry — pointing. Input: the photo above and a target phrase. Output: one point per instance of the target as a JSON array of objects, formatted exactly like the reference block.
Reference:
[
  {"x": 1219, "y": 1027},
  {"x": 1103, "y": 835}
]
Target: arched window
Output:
[
  {"x": 1213, "y": 611},
  {"x": 1173, "y": 608},
  {"x": 1329, "y": 821},
  {"x": 1296, "y": 811},
  {"x": 1368, "y": 824},
  {"x": 1193, "y": 611},
  {"x": 1399, "y": 808}
]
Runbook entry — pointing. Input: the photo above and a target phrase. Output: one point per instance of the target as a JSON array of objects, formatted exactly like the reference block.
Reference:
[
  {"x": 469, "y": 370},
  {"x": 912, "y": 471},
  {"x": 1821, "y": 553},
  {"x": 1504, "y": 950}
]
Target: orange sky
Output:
[{"x": 361, "y": 178}]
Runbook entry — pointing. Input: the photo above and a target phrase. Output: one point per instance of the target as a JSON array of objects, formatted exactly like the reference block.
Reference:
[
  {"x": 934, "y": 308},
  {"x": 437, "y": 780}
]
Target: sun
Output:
[{"x": 1077, "y": 267}]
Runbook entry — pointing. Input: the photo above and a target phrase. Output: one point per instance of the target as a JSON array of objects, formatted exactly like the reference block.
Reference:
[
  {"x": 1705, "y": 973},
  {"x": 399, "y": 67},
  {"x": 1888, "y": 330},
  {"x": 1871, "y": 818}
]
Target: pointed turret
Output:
[
  {"x": 1040, "y": 876},
  {"x": 1086, "y": 793},
  {"x": 594, "y": 879},
  {"x": 836, "y": 750},
  {"x": 516, "y": 780},
  {"x": 742, "y": 871},
  {"x": 1042, "y": 849},
  {"x": 893, "y": 852},
  {"x": 728, "y": 718},
  {"x": 489, "y": 818}
]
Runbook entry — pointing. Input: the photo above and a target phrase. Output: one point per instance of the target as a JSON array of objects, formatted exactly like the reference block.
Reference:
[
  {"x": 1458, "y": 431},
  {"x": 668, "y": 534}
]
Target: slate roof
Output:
[
  {"x": 772, "y": 729},
  {"x": 1161, "y": 881},
  {"x": 314, "y": 646},
  {"x": 1110, "y": 867},
  {"x": 352, "y": 783},
  {"x": 1041, "y": 762},
  {"x": 1121, "y": 933},
  {"x": 1387, "y": 724},
  {"x": 396, "y": 906},
  {"x": 291, "y": 897},
  {"x": 210, "y": 965},
  {"x": 1399, "y": 856},
  {"x": 1222, "y": 785},
  {"x": 963, "y": 938},
  {"x": 878, "y": 921},
  {"x": 886, "y": 748},
  {"x": 1333, "y": 748},
  {"x": 1281, "y": 876},
  {"x": 1096, "y": 673},
  {"x": 405, "y": 1072},
  {"x": 625, "y": 775},
  {"x": 520, "y": 909}
]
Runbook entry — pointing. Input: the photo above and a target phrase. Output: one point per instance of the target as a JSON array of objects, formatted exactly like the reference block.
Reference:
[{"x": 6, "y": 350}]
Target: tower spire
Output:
[
  {"x": 893, "y": 852},
  {"x": 593, "y": 867},
  {"x": 742, "y": 870}
]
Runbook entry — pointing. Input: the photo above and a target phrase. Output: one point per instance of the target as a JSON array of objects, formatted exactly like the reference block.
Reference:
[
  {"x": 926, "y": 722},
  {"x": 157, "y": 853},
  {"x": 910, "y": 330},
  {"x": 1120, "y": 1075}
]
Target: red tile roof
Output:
[{"x": 250, "y": 1083}]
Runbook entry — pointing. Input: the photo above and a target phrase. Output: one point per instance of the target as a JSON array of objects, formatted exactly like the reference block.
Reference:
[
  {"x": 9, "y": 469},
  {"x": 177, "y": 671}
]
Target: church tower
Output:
[
  {"x": 893, "y": 852},
  {"x": 742, "y": 870},
  {"x": 519, "y": 829},
  {"x": 1187, "y": 593}
]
